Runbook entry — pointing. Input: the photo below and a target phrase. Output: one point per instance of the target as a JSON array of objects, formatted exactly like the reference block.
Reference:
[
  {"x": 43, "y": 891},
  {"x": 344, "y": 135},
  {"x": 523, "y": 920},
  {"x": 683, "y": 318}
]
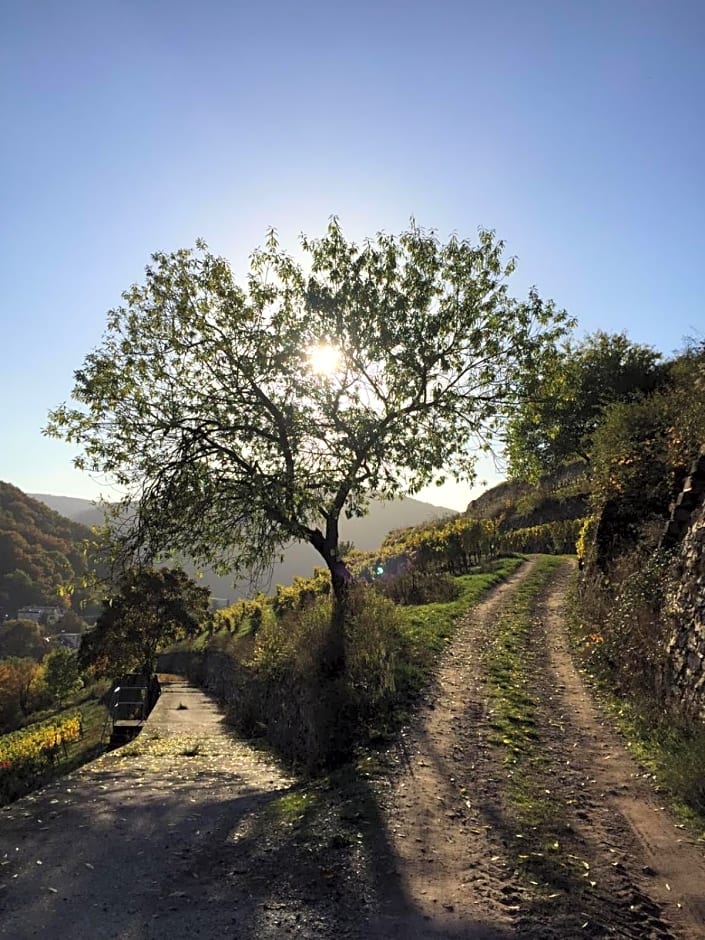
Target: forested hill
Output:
[{"x": 40, "y": 551}]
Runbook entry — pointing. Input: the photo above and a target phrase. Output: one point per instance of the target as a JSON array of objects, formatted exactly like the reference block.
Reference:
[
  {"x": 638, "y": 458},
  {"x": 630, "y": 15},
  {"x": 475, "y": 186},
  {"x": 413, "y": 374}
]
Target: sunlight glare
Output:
[{"x": 324, "y": 358}]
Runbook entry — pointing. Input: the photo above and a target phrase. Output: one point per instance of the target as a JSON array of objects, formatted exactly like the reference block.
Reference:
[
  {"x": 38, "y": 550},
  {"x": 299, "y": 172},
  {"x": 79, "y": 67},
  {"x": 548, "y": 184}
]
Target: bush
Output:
[
  {"x": 419, "y": 587},
  {"x": 373, "y": 650},
  {"x": 624, "y": 624},
  {"x": 293, "y": 642},
  {"x": 281, "y": 690},
  {"x": 584, "y": 547}
]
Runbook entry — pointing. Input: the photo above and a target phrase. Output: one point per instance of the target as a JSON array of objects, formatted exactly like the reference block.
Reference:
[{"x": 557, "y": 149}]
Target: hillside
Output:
[
  {"x": 84, "y": 511},
  {"x": 366, "y": 533},
  {"x": 40, "y": 551},
  {"x": 561, "y": 495}
]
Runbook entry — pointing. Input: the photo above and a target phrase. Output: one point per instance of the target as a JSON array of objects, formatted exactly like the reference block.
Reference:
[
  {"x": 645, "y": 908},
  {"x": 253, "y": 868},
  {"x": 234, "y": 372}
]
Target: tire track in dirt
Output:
[
  {"x": 439, "y": 812},
  {"x": 650, "y": 876},
  {"x": 466, "y": 868}
]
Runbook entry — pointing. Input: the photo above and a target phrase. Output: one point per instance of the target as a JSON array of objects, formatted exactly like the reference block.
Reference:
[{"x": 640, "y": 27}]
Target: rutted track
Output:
[{"x": 615, "y": 863}]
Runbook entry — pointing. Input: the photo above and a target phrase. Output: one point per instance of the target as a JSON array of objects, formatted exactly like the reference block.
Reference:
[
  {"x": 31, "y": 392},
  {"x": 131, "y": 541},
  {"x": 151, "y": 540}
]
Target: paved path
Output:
[{"x": 143, "y": 842}]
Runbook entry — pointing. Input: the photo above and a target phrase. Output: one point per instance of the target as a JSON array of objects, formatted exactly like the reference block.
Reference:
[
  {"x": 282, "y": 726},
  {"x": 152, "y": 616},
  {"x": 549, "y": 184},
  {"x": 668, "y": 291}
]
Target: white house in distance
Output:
[{"x": 48, "y": 615}]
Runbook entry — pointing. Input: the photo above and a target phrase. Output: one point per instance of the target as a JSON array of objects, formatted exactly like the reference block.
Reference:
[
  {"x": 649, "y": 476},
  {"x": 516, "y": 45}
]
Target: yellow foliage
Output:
[{"x": 34, "y": 747}]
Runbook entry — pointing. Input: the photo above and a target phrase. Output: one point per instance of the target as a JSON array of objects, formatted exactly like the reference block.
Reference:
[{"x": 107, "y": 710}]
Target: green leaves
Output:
[
  {"x": 564, "y": 396},
  {"x": 203, "y": 402},
  {"x": 150, "y": 609}
]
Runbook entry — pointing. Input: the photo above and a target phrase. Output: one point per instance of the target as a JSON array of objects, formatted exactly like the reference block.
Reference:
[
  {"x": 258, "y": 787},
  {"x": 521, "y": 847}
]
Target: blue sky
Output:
[{"x": 575, "y": 129}]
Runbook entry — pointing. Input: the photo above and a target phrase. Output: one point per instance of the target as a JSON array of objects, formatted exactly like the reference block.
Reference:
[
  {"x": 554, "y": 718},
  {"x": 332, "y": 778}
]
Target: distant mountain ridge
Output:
[
  {"x": 366, "y": 533},
  {"x": 84, "y": 511}
]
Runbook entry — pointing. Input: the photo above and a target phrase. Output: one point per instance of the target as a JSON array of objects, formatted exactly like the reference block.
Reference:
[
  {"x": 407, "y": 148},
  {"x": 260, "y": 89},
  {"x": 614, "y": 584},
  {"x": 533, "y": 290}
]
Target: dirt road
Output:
[
  {"x": 618, "y": 866},
  {"x": 188, "y": 832}
]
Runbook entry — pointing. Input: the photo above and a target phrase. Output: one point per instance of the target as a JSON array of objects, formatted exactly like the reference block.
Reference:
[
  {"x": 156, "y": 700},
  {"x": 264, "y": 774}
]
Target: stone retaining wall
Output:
[
  {"x": 686, "y": 648},
  {"x": 689, "y": 501}
]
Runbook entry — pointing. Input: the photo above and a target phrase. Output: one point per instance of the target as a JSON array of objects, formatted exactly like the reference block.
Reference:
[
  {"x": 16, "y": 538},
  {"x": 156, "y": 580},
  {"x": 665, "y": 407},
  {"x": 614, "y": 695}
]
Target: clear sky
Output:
[{"x": 575, "y": 128}]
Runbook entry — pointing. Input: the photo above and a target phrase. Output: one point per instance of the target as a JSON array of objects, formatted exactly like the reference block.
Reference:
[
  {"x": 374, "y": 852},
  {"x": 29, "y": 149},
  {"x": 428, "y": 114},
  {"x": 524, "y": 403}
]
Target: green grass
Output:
[
  {"x": 667, "y": 746},
  {"x": 673, "y": 751},
  {"x": 430, "y": 626},
  {"x": 427, "y": 629},
  {"x": 514, "y": 708},
  {"x": 535, "y": 816},
  {"x": 296, "y": 809}
]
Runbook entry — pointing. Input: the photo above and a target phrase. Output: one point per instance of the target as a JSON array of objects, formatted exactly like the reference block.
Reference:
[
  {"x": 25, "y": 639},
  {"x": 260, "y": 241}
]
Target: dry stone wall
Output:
[
  {"x": 687, "y": 645},
  {"x": 688, "y": 503}
]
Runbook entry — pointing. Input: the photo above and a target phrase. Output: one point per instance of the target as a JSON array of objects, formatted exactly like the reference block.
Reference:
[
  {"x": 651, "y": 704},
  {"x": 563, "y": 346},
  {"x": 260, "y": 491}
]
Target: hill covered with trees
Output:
[{"x": 42, "y": 554}]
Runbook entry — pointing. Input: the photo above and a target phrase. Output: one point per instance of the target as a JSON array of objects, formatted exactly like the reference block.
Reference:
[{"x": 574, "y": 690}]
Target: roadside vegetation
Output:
[
  {"x": 268, "y": 663},
  {"x": 640, "y": 447},
  {"x": 41, "y": 751},
  {"x": 665, "y": 738}
]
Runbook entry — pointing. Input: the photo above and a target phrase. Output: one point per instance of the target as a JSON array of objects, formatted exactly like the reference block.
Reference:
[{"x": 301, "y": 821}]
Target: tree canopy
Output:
[
  {"x": 22, "y": 638},
  {"x": 150, "y": 609},
  {"x": 61, "y": 674},
  {"x": 238, "y": 417},
  {"x": 563, "y": 400}
]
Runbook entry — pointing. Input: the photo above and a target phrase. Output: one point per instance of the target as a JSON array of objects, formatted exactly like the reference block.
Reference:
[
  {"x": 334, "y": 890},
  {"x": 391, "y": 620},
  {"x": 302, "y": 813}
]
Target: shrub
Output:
[
  {"x": 419, "y": 587},
  {"x": 624, "y": 624},
  {"x": 373, "y": 648},
  {"x": 307, "y": 718},
  {"x": 293, "y": 642}
]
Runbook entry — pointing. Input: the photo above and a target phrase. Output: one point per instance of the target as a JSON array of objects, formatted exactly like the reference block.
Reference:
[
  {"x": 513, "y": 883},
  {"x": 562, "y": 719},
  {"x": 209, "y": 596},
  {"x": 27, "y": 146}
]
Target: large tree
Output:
[
  {"x": 149, "y": 609},
  {"x": 239, "y": 417},
  {"x": 563, "y": 400}
]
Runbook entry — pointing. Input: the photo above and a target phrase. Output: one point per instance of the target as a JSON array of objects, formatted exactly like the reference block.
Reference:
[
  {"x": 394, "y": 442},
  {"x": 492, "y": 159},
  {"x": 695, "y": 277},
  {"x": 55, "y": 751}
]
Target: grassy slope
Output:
[{"x": 79, "y": 752}]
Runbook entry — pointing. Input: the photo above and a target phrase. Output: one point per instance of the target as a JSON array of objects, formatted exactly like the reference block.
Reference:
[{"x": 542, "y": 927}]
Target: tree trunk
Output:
[
  {"x": 336, "y": 722},
  {"x": 333, "y": 659},
  {"x": 334, "y": 654}
]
